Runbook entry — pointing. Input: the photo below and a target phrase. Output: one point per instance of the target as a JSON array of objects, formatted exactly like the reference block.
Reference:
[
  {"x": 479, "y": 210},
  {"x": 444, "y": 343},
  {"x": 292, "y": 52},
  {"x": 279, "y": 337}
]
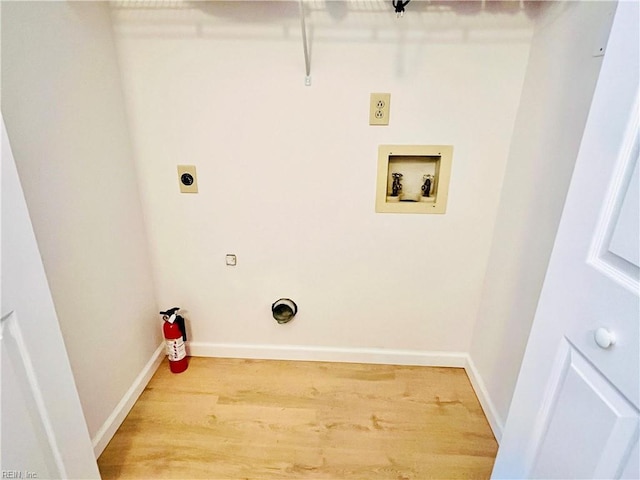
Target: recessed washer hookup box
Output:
[{"x": 413, "y": 178}]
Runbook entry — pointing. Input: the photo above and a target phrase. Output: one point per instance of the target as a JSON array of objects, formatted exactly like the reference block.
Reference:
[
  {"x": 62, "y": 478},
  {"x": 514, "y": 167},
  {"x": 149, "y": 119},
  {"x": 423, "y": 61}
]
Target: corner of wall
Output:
[
  {"x": 553, "y": 110},
  {"x": 64, "y": 111},
  {"x": 108, "y": 429},
  {"x": 496, "y": 422}
]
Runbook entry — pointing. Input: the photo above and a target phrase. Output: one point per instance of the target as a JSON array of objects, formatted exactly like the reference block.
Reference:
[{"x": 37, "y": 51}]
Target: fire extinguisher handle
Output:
[
  {"x": 182, "y": 326},
  {"x": 170, "y": 312}
]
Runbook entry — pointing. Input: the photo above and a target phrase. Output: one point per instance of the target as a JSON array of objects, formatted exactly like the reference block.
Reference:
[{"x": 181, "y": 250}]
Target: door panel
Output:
[
  {"x": 599, "y": 430},
  {"x": 632, "y": 469},
  {"x": 624, "y": 240},
  {"x": 616, "y": 249},
  {"x": 24, "y": 420}
]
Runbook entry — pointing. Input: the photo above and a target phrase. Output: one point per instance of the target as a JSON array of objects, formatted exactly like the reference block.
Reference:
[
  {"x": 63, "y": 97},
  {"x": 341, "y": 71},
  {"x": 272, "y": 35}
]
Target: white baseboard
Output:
[
  {"x": 330, "y": 354},
  {"x": 490, "y": 411},
  {"x": 110, "y": 426}
]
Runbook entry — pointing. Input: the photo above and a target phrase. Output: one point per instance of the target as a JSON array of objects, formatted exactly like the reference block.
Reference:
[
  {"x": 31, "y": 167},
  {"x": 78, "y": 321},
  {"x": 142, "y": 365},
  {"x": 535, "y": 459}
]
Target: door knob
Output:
[{"x": 604, "y": 338}]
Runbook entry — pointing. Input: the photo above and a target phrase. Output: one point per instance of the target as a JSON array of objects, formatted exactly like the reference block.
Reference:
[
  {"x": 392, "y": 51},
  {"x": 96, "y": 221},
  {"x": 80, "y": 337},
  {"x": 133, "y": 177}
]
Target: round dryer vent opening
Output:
[{"x": 284, "y": 310}]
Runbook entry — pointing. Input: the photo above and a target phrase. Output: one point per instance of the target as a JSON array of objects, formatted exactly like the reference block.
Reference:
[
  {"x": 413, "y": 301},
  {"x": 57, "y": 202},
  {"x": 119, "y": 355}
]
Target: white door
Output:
[
  {"x": 575, "y": 408},
  {"x": 43, "y": 433}
]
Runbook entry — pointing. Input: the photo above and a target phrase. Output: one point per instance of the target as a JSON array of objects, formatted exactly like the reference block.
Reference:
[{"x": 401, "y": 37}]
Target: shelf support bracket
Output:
[{"x": 305, "y": 45}]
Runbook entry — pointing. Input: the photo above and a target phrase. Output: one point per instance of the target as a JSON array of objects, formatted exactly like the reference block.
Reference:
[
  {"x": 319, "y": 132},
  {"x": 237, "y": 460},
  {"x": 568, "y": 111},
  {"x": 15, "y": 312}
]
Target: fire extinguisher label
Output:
[{"x": 175, "y": 349}]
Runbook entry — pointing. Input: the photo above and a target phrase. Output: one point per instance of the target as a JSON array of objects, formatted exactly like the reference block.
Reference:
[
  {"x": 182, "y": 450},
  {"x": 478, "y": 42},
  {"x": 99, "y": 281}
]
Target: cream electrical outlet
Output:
[
  {"x": 187, "y": 179},
  {"x": 379, "y": 108}
]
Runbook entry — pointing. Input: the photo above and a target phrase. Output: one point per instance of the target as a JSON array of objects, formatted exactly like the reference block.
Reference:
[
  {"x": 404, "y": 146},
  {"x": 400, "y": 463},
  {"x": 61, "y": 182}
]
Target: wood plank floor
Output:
[{"x": 258, "y": 419}]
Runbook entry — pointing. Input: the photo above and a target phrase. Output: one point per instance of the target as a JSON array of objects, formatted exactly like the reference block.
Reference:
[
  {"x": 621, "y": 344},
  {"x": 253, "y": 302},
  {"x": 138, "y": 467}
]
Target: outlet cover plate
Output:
[
  {"x": 379, "y": 104},
  {"x": 187, "y": 179}
]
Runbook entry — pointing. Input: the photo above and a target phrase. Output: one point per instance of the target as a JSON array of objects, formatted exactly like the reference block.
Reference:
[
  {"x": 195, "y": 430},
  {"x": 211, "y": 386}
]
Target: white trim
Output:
[
  {"x": 329, "y": 354},
  {"x": 112, "y": 423},
  {"x": 490, "y": 410}
]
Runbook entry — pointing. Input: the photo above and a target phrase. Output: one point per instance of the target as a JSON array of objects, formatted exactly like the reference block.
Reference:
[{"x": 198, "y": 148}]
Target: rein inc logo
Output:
[{"x": 18, "y": 474}]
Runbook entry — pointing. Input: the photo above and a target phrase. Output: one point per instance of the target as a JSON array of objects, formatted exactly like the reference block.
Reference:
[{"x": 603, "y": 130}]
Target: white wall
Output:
[
  {"x": 64, "y": 111},
  {"x": 287, "y": 172},
  {"x": 556, "y": 97}
]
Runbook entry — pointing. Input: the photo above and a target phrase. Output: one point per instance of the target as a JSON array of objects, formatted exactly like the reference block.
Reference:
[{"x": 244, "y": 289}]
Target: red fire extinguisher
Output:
[{"x": 175, "y": 335}]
